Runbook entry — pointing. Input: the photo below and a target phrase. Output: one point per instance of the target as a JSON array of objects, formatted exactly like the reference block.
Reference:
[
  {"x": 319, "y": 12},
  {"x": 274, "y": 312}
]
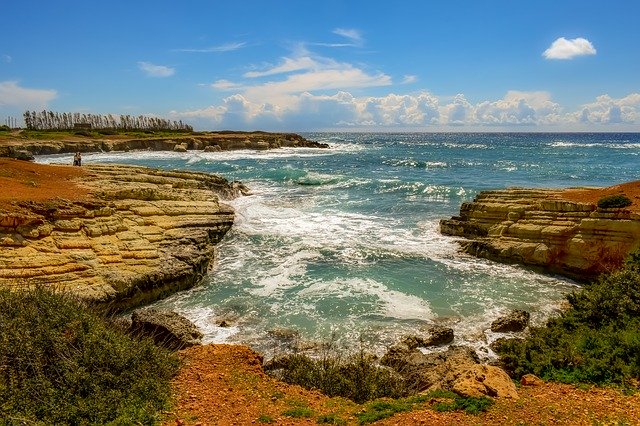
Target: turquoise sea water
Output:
[{"x": 343, "y": 243}]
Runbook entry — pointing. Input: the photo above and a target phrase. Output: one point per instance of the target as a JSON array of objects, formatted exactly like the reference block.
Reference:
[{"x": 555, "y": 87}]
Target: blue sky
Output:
[{"x": 329, "y": 65}]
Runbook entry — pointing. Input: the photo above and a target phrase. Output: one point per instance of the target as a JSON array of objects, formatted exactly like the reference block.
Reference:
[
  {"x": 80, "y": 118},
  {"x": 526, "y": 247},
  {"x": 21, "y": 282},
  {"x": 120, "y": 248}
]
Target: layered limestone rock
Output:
[
  {"x": 141, "y": 234},
  {"x": 536, "y": 227},
  {"x": 211, "y": 141}
]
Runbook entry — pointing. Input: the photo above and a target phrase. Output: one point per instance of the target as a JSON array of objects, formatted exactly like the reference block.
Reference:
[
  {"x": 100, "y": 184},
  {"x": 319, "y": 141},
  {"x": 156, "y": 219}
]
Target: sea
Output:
[{"x": 342, "y": 245}]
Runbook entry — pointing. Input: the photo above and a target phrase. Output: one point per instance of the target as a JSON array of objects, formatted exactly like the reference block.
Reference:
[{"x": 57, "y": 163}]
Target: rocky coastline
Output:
[
  {"x": 558, "y": 231},
  {"x": 132, "y": 235},
  {"x": 209, "y": 141}
]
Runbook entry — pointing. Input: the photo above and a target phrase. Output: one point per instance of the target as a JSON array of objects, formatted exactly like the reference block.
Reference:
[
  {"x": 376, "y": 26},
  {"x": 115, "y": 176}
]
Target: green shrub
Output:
[
  {"x": 330, "y": 419},
  {"x": 597, "y": 340},
  {"x": 614, "y": 201},
  {"x": 4, "y": 128},
  {"x": 356, "y": 377},
  {"x": 60, "y": 363}
]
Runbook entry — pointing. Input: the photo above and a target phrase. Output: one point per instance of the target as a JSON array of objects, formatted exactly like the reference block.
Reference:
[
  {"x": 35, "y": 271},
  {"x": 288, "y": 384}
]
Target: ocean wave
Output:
[
  {"x": 616, "y": 145},
  {"x": 416, "y": 163}
]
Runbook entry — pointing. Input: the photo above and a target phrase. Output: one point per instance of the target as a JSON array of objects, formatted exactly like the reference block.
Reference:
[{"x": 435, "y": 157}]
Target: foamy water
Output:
[{"x": 344, "y": 244}]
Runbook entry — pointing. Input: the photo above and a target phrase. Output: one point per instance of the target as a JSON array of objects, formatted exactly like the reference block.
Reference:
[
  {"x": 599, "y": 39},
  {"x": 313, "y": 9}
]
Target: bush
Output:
[
  {"x": 62, "y": 364},
  {"x": 614, "y": 201},
  {"x": 597, "y": 340},
  {"x": 355, "y": 377},
  {"x": 4, "y": 128}
]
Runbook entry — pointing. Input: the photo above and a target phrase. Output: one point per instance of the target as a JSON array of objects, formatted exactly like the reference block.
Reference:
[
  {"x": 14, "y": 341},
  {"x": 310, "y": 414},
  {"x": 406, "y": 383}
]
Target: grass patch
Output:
[
  {"x": 61, "y": 363},
  {"x": 597, "y": 340},
  {"x": 379, "y": 410},
  {"x": 266, "y": 419},
  {"x": 299, "y": 412}
]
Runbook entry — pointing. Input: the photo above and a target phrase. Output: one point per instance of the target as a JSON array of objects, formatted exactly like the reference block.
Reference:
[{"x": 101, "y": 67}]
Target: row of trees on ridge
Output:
[{"x": 50, "y": 120}]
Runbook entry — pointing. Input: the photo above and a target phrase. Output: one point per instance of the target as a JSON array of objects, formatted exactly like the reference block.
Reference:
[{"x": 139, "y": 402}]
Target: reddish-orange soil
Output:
[
  {"x": 630, "y": 189},
  {"x": 26, "y": 181},
  {"x": 225, "y": 385}
]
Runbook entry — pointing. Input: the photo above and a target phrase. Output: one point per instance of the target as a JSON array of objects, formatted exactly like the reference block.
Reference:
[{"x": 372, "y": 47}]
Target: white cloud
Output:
[
  {"x": 569, "y": 49},
  {"x": 607, "y": 110},
  {"x": 421, "y": 111},
  {"x": 287, "y": 65},
  {"x": 228, "y": 47},
  {"x": 408, "y": 79},
  {"x": 153, "y": 70},
  {"x": 226, "y": 85},
  {"x": 12, "y": 95},
  {"x": 352, "y": 35},
  {"x": 7, "y": 59},
  {"x": 518, "y": 108}
]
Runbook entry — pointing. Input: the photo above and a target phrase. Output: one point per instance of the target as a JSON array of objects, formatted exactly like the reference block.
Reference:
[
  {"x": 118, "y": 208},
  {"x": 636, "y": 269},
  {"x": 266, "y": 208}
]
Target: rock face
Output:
[
  {"x": 142, "y": 234},
  {"x": 167, "y": 328},
  {"x": 516, "y": 320},
  {"x": 536, "y": 227},
  {"x": 224, "y": 141}
]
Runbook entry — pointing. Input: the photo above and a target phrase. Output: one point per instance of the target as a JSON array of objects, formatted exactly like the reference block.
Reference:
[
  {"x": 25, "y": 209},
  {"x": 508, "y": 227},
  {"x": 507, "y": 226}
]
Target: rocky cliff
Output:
[
  {"x": 546, "y": 229},
  {"x": 211, "y": 141},
  {"x": 137, "y": 235}
]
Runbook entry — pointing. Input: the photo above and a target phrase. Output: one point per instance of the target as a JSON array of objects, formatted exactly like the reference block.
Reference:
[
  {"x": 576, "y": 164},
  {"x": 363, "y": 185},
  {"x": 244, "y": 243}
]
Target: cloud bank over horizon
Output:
[{"x": 517, "y": 110}]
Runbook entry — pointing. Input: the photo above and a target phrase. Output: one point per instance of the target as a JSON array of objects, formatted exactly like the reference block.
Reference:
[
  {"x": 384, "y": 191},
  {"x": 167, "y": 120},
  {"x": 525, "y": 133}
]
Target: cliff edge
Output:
[
  {"x": 560, "y": 231},
  {"x": 121, "y": 236}
]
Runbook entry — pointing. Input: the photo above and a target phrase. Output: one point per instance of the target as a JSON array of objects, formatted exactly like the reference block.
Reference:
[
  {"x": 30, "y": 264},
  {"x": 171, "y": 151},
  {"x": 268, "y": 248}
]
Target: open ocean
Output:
[{"x": 343, "y": 243}]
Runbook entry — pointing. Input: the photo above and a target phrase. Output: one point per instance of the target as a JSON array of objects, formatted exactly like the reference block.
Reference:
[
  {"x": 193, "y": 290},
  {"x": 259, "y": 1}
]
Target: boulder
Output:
[
  {"x": 484, "y": 380},
  {"x": 531, "y": 380},
  {"x": 180, "y": 148},
  {"x": 167, "y": 328},
  {"x": 438, "y": 335},
  {"x": 212, "y": 148},
  {"x": 516, "y": 320}
]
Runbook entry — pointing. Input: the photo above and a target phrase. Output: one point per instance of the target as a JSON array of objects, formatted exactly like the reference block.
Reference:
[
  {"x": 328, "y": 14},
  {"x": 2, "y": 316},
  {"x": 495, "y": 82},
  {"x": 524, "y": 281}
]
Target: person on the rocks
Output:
[{"x": 77, "y": 159}]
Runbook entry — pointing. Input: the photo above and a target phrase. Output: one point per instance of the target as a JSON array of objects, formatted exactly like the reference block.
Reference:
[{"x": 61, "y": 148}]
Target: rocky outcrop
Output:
[
  {"x": 457, "y": 369},
  {"x": 515, "y": 321},
  {"x": 223, "y": 141},
  {"x": 537, "y": 227},
  {"x": 139, "y": 235},
  {"x": 167, "y": 328}
]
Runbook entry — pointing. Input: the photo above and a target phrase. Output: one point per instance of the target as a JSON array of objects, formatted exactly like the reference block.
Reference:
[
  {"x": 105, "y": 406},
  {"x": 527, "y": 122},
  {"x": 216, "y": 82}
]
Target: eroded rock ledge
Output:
[
  {"x": 211, "y": 141},
  {"x": 538, "y": 227},
  {"x": 140, "y": 234}
]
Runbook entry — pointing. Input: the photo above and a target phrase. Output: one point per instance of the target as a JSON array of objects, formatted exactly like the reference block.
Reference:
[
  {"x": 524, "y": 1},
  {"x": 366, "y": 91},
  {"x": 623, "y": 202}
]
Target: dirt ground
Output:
[
  {"x": 225, "y": 385},
  {"x": 630, "y": 189},
  {"x": 26, "y": 181}
]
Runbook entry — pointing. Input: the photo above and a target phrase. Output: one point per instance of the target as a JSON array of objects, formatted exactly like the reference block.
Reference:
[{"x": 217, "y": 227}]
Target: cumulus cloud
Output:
[
  {"x": 518, "y": 108},
  {"x": 420, "y": 111},
  {"x": 153, "y": 70},
  {"x": 562, "y": 48},
  {"x": 607, "y": 110},
  {"x": 13, "y": 95}
]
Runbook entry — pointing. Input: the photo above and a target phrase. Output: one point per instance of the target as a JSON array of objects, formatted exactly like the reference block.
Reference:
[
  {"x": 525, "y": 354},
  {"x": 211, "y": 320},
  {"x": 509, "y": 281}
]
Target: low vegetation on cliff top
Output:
[
  {"x": 60, "y": 363},
  {"x": 597, "y": 340}
]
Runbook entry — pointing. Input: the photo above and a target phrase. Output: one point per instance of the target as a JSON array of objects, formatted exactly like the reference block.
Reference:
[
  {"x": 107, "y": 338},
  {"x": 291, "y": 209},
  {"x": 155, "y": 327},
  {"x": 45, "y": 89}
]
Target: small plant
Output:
[
  {"x": 331, "y": 419},
  {"x": 266, "y": 419},
  {"x": 379, "y": 410},
  {"x": 614, "y": 202}
]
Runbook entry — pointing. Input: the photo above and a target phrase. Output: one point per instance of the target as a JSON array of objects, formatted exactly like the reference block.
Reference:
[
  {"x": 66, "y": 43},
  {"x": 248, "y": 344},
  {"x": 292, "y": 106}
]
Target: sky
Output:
[{"x": 329, "y": 65}]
